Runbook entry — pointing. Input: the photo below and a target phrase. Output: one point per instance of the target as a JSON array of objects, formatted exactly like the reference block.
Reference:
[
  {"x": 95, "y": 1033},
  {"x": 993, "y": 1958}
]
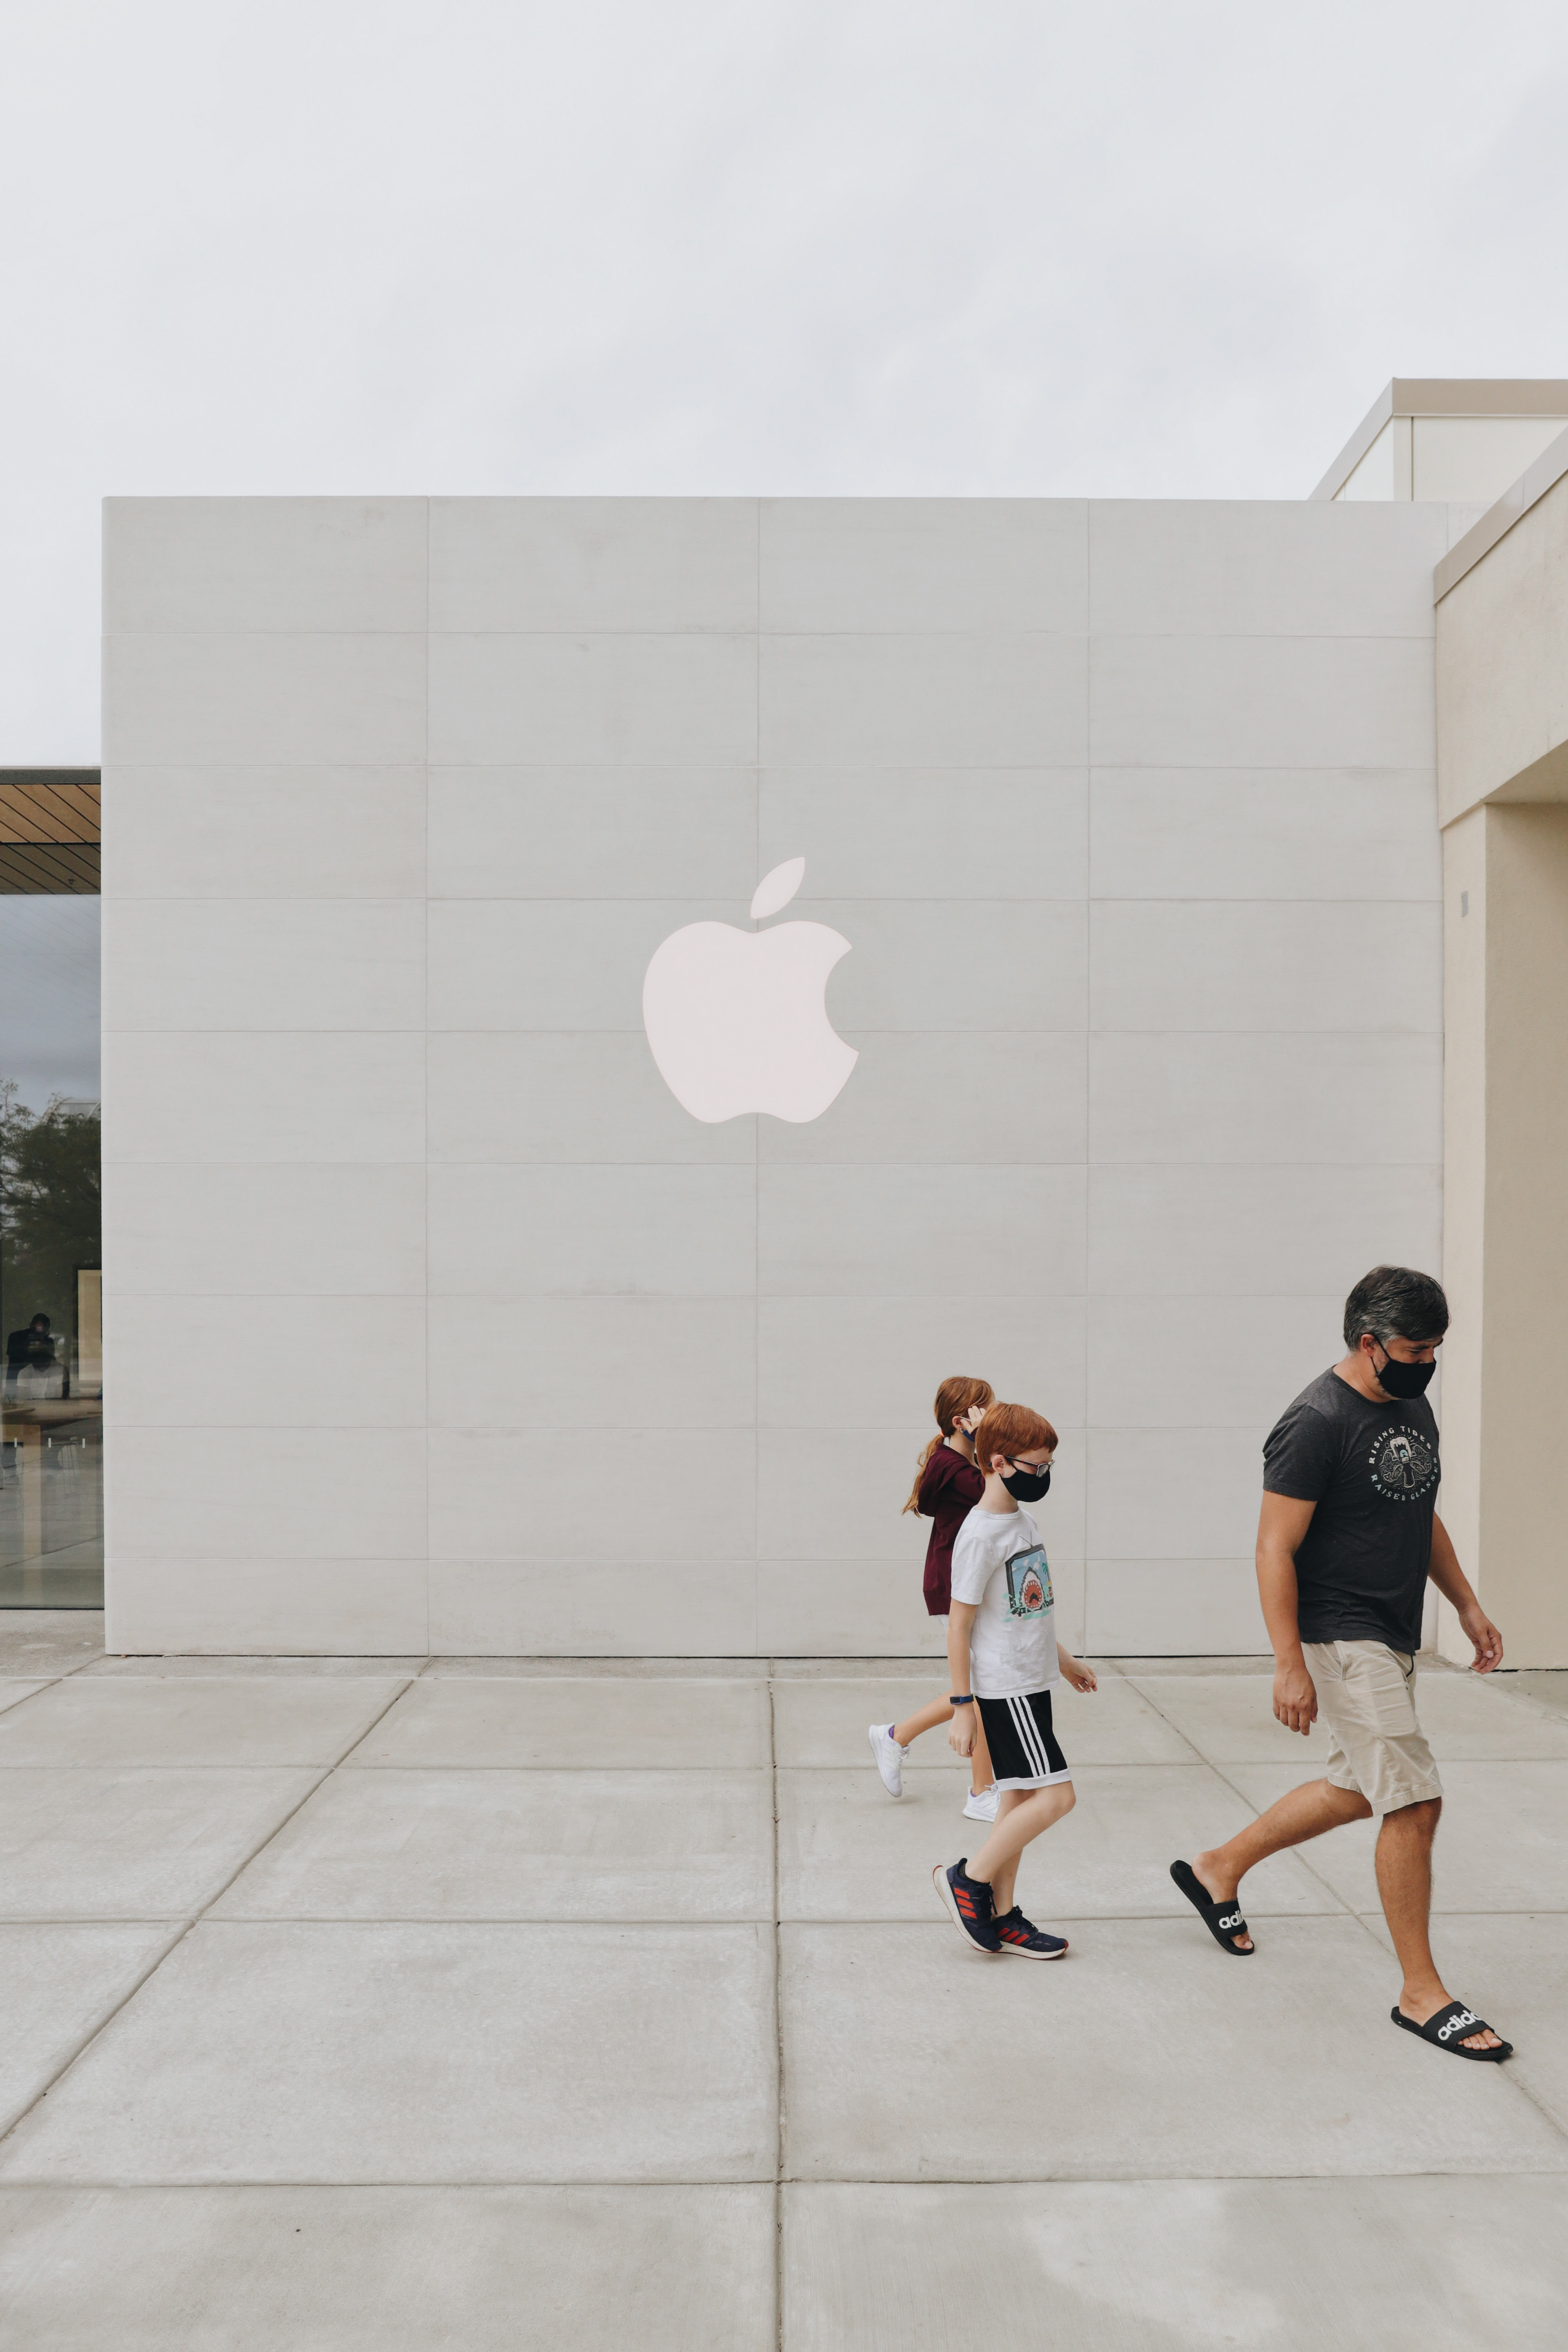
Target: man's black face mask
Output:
[{"x": 1403, "y": 1380}]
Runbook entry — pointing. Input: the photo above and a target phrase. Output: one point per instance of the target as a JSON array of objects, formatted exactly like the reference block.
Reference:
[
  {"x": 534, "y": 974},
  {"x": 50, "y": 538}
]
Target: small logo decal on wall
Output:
[{"x": 737, "y": 1020}]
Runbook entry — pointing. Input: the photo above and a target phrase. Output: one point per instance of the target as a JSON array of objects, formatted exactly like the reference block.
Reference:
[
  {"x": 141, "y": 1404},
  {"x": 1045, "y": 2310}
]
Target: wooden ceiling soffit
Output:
[{"x": 49, "y": 831}]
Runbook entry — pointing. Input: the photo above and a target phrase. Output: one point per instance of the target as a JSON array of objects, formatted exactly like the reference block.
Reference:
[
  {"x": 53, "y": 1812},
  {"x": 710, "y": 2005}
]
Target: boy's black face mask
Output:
[
  {"x": 1403, "y": 1380},
  {"x": 1028, "y": 1486}
]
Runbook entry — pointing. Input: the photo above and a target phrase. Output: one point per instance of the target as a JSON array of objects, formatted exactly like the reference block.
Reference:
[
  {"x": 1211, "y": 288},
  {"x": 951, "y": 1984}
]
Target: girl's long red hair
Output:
[{"x": 954, "y": 1396}]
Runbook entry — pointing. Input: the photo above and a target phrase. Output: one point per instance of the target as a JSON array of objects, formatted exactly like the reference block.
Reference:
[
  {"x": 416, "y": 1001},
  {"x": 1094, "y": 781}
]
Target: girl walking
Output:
[{"x": 948, "y": 1485}]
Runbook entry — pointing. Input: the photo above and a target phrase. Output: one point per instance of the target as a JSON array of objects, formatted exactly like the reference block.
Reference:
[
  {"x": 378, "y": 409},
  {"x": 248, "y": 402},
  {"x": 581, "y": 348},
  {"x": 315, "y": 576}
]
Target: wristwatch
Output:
[{"x": 955, "y": 1699}]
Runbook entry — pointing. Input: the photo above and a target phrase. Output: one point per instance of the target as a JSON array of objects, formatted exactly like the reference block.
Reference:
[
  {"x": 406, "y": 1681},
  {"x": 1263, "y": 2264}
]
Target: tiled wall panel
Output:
[{"x": 482, "y": 1343}]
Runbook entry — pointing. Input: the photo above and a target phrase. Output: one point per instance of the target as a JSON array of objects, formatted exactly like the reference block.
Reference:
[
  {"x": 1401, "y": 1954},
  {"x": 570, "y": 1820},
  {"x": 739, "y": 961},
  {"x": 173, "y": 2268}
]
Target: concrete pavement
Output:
[{"x": 508, "y": 2004}]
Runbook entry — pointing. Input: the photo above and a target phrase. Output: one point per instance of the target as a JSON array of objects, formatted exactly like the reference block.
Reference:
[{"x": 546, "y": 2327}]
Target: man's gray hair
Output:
[{"x": 1395, "y": 1302}]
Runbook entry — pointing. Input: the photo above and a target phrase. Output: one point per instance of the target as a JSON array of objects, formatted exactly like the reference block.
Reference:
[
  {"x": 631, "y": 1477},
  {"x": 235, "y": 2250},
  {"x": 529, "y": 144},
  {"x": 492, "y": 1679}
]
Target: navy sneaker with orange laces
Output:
[
  {"x": 970, "y": 1902},
  {"x": 1016, "y": 1934}
]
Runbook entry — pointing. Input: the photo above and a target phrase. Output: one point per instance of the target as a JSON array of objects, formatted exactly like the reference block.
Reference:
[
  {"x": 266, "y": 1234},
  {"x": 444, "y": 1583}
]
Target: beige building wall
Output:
[{"x": 1502, "y": 714}]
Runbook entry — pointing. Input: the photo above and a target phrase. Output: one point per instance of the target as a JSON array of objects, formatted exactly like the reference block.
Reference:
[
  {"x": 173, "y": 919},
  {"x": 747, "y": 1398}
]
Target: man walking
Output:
[{"x": 1347, "y": 1538}]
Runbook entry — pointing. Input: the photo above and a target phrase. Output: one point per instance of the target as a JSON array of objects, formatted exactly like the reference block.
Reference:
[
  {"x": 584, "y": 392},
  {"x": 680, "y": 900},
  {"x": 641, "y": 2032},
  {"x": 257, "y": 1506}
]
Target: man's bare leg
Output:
[
  {"x": 1404, "y": 1878},
  {"x": 1405, "y": 1883},
  {"x": 1305, "y": 1812}
]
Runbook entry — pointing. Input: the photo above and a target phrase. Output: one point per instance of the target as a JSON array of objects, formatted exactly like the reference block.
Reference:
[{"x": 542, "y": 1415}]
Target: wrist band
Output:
[{"x": 954, "y": 1700}]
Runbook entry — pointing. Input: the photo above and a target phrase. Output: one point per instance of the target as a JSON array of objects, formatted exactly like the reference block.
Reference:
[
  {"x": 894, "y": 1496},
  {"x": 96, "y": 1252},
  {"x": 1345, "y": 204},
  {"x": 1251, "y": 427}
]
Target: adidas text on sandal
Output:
[
  {"x": 969, "y": 1905},
  {"x": 1451, "y": 2028}
]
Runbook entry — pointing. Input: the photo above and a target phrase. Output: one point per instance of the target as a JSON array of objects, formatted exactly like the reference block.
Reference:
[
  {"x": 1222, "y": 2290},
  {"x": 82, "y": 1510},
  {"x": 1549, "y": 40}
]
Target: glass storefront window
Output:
[{"x": 51, "y": 1281}]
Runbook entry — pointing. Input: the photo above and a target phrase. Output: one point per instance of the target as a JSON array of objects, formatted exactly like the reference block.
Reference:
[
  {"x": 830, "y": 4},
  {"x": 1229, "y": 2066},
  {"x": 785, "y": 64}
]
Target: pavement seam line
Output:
[
  {"x": 779, "y": 2093},
  {"x": 107, "y": 2015},
  {"x": 130, "y": 2184},
  {"x": 45, "y": 1683},
  {"x": 1242, "y": 1798},
  {"x": 17, "y": 1704},
  {"x": 101, "y": 2016},
  {"x": 686, "y": 1926},
  {"x": 1367, "y": 1922},
  {"x": 484, "y": 2183}
]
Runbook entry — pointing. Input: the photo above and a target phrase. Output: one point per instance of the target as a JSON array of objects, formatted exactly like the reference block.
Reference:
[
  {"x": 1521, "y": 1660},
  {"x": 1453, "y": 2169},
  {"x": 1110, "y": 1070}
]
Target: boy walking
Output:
[{"x": 1004, "y": 1658}]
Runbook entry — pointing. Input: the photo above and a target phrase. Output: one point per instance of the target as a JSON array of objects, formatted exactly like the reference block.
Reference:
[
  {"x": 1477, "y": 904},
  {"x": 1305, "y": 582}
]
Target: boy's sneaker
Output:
[
  {"x": 980, "y": 1805},
  {"x": 890, "y": 1756},
  {"x": 1016, "y": 1934},
  {"x": 970, "y": 1904}
]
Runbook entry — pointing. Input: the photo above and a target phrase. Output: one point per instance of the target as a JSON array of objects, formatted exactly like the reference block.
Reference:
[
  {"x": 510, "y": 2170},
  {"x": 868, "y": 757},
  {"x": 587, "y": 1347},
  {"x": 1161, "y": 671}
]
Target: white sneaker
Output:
[
  {"x": 890, "y": 1756},
  {"x": 981, "y": 1804}
]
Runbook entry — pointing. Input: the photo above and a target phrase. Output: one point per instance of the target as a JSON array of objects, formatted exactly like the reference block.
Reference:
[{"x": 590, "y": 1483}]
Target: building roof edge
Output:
[
  {"x": 1498, "y": 520},
  {"x": 1454, "y": 396},
  {"x": 1360, "y": 442}
]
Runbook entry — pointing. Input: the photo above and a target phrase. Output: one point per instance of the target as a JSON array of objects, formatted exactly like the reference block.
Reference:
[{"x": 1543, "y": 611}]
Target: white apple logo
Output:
[{"x": 737, "y": 1020}]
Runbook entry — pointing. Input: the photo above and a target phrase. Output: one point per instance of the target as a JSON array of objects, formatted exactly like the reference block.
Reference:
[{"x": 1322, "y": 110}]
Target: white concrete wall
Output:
[{"x": 481, "y": 1342}]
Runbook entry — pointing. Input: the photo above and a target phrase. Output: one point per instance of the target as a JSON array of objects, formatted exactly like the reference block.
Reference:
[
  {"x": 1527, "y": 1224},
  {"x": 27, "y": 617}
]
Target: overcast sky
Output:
[{"x": 847, "y": 246}]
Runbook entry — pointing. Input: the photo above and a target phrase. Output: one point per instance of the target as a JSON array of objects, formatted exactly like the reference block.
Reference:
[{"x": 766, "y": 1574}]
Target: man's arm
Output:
[
  {"x": 965, "y": 1721},
  {"x": 1282, "y": 1523},
  {"x": 1454, "y": 1585}
]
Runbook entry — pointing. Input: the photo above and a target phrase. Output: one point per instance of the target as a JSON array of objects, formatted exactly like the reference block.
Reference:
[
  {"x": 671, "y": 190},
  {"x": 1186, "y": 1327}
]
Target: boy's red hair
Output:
[{"x": 1012, "y": 1430}]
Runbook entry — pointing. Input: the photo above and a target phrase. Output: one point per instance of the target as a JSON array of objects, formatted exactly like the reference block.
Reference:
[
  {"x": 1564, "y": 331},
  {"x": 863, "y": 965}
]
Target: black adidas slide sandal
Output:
[
  {"x": 1447, "y": 2030},
  {"x": 1223, "y": 1920}
]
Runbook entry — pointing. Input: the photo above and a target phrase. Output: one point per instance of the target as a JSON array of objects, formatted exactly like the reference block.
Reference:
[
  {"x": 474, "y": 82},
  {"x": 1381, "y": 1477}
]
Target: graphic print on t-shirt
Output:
[
  {"x": 1403, "y": 1465},
  {"x": 1029, "y": 1583}
]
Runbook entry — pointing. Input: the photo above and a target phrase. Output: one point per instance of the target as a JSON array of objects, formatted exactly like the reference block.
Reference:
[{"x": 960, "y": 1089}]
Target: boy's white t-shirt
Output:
[{"x": 1000, "y": 1566}]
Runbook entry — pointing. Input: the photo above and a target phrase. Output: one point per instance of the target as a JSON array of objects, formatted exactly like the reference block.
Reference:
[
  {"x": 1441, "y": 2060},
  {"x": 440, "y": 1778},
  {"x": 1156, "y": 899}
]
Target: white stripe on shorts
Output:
[{"x": 1028, "y": 1732}]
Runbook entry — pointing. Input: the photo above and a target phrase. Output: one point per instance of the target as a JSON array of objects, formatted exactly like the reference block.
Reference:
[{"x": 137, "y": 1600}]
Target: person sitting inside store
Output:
[{"x": 32, "y": 1350}]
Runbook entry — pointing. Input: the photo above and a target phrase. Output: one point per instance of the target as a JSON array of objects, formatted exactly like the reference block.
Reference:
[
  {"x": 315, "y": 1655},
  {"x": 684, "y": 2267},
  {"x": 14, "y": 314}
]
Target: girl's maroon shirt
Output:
[{"x": 950, "y": 1488}]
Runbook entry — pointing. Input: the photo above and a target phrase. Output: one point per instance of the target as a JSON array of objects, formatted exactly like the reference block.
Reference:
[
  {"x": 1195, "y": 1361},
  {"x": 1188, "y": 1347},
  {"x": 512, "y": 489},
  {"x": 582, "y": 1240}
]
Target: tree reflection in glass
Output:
[{"x": 51, "y": 1512}]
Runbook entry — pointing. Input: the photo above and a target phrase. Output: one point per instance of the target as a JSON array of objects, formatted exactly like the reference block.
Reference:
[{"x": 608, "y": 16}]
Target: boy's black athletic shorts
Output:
[{"x": 1023, "y": 1750}]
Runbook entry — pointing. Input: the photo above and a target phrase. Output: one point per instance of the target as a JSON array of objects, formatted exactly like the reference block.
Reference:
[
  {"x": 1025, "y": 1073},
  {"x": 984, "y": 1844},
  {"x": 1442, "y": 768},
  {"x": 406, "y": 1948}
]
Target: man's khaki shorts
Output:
[{"x": 1366, "y": 1699}]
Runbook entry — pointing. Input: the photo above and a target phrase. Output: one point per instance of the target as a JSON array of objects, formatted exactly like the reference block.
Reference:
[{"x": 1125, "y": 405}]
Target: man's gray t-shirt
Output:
[{"x": 1373, "y": 1472}]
